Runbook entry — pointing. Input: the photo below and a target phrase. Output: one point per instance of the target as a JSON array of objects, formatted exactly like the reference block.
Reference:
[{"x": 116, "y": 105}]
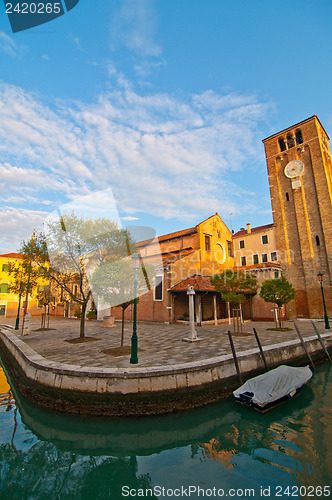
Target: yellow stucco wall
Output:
[
  {"x": 218, "y": 257},
  {"x": 9, "y": 301},
  {"x": 203, "y": 260}
]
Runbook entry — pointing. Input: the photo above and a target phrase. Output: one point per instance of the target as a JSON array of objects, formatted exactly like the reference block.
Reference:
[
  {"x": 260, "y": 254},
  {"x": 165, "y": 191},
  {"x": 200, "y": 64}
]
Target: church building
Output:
[{"x": 189, "y": 257}]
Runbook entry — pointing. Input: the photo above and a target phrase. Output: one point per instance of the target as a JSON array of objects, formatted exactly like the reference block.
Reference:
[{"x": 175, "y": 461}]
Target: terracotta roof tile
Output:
[
  {"x": 257, "y": 229},
  {"x": 265, "y": 265},
  {"x": 200, "y": 284},
  {"x": 12, "y": 255},
  {"x": 169, "y": 236}
]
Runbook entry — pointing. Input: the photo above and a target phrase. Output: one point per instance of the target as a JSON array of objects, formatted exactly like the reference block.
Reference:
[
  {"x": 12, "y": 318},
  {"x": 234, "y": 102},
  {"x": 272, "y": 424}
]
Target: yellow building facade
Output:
[
  {"x": 255, "y": 252},
  {"x": 9, "y": 301}
]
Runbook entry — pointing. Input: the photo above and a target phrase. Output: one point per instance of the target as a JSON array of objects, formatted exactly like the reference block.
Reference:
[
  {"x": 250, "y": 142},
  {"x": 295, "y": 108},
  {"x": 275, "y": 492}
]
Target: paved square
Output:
[{"x": 159, "y": 344}]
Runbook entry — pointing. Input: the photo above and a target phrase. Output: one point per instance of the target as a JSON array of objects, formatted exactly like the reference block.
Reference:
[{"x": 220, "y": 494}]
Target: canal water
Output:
[{"x": 221, "y": 450}]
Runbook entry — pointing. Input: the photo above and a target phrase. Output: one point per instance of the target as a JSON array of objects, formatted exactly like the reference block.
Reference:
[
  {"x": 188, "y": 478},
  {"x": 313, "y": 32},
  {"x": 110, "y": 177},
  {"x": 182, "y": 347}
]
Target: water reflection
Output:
[
  {"x": 6, "y": 397},
  {"x": 62, "y": 456}
]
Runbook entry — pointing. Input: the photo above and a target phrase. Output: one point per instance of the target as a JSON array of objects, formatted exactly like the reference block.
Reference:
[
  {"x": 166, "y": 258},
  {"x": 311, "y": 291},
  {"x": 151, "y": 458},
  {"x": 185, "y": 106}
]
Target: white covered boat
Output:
[{"x": 272, "y": 388}]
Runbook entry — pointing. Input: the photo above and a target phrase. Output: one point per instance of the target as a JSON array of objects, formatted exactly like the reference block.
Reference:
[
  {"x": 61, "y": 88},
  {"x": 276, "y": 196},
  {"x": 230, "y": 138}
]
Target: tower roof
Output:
[{"x": 297, "y": 125}]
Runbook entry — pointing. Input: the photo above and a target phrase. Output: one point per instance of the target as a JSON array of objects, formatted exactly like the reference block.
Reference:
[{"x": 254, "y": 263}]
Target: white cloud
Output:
[
  {"x": 145, "y": 67},
  {"x": 134, "y": 25},
  {"x": 7, "y": 44},
  {"x": 18, "y": 225},
  {"x": 129, "y": 218},
  {"x": 158, "y": 154}
]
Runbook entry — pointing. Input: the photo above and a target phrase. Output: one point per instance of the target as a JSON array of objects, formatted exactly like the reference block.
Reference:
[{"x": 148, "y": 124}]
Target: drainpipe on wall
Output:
[
  {"x": 215, "y": 309},
  {"x": 170, "y": 297}
]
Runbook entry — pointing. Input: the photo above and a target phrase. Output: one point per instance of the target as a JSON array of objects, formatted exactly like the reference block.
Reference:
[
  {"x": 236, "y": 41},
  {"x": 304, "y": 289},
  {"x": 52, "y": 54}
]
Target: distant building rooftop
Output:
[
  {"x": 12, "y": 255},
  {"x": 258, "y": 267},
  {"x": 250, "y": 230}
]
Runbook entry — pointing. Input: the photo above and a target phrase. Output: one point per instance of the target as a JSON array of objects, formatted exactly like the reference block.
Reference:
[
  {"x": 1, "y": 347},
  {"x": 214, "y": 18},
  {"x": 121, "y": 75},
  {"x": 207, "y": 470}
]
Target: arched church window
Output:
[
  {"x": 282, "y": 144},
  {"x": 298, "y": 136}
]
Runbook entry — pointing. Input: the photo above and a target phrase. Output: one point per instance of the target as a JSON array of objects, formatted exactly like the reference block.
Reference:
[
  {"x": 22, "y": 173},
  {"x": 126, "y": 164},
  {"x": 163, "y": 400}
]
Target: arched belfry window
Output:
[
  {"x": 298, "y": 136},
  {"x": 290, "y": 141},
  {"x": 282, "y": 144}
]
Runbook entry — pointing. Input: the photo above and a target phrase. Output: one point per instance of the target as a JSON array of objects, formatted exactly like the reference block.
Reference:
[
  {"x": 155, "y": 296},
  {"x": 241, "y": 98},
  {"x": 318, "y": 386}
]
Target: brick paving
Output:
[{"x": 159, "y": 344}]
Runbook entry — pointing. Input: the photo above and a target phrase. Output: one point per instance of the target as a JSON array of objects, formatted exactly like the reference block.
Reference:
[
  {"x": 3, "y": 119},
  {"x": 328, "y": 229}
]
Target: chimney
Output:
[{"x": 248, "y": 228}]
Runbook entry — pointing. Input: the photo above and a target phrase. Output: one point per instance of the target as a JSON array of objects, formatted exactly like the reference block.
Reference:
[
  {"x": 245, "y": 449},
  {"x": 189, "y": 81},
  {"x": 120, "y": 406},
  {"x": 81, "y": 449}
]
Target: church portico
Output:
[{"x": 209, "y": 307}]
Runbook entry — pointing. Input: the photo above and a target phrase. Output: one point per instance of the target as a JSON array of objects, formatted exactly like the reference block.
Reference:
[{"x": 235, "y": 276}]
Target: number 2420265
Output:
[{"x": 33, "y": 8}]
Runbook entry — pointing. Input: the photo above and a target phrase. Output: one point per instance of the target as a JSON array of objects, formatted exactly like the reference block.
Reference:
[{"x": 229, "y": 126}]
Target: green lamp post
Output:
[
  {"x": 326, "y": 318},
  {"x": 134, "y": 358},
  {"x": 17, "y": 322}
]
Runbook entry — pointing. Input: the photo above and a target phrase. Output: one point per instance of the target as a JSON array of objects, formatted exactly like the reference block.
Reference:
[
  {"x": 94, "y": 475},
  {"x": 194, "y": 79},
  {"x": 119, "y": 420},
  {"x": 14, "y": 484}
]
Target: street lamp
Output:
[
  {"x": 135, "y": 263},
  {"x": 326, "y": 318},
  {"x": 17, "y": 322}
]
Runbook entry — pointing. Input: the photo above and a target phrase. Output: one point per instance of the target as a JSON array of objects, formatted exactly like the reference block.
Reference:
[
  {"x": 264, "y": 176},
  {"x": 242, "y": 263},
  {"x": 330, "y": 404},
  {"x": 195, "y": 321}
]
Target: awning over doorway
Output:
[{"x": 208, "y": 304}]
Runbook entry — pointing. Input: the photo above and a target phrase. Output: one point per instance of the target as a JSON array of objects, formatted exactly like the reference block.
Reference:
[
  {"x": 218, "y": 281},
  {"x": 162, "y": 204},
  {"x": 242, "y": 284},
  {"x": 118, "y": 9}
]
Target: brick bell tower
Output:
[{"x": 300, "y": 177}]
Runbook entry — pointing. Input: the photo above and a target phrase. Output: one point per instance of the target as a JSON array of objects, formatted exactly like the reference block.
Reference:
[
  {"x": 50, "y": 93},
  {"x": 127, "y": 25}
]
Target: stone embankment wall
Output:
[{"x": 122, "y": 391}]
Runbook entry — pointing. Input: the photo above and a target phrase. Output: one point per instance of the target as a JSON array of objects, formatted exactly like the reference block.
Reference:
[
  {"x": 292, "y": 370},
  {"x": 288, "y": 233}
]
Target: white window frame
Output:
[
  {"x": 272, "y": 255},
  {"x": 262, "y": 257}
]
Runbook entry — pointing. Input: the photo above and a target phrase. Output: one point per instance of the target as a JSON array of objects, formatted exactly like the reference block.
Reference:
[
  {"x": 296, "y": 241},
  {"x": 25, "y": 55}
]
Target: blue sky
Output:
[{"x": 165, "y": 102}]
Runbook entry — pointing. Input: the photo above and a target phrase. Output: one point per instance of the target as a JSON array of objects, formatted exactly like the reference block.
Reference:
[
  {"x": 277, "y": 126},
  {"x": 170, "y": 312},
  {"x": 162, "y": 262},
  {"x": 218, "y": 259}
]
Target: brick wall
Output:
[{"x": 302, "y": 216}]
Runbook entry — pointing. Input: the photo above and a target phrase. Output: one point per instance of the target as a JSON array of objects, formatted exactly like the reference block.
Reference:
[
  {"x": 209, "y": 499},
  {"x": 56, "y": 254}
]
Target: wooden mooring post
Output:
[
  {"x": 304, "y": 346},
  {"x": 261, "y": 349},
  {"x": 234, "y": 357},
  {"x": 322, "y": 342}
]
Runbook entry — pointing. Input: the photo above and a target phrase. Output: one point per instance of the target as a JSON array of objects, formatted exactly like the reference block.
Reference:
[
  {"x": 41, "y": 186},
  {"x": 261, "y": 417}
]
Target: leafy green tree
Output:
[
  {"x": 23, "y": 280},
  {"x": 277, "y": 291},
  {"x": 72, "y": 248},
  {"x": 235, "y": 286}
]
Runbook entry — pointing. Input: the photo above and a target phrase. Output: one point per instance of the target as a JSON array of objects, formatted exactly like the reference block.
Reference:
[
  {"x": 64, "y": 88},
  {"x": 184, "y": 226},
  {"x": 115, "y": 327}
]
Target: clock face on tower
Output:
[{"x": 294, "y": 169}]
